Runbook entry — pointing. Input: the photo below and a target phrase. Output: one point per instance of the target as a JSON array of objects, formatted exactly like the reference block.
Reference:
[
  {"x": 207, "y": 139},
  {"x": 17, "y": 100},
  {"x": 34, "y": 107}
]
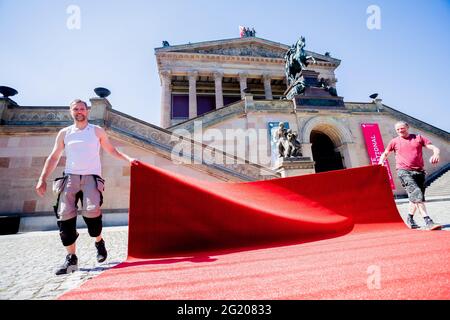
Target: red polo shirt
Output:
[{"x": 408, "y": 151}]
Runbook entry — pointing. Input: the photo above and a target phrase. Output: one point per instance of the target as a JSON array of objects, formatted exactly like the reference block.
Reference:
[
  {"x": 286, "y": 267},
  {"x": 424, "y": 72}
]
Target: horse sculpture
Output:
[{"x": 296, "y": 60}]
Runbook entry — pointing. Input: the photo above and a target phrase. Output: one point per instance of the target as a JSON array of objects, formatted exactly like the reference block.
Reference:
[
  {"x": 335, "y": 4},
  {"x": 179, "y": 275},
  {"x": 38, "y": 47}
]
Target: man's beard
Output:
[{"x": 80, "y": 118}]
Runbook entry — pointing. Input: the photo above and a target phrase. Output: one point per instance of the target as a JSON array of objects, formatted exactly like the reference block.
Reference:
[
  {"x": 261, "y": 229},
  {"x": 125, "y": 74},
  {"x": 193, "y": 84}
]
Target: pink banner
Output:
[{"x": 375, "y": 147}]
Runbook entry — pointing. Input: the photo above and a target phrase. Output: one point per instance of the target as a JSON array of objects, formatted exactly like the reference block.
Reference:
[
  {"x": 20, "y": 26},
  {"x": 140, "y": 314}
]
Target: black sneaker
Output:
[
  {"x": 69, "y": 266},
  {"x": 411, "y": 223},
  {"x": 101, "y": 251},
  {"x": 432, "y": 226}
]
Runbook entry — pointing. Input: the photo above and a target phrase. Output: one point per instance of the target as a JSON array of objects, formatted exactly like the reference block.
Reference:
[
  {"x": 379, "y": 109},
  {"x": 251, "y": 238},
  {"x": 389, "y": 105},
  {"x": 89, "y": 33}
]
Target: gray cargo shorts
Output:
[
  {"x": 414, "y": 184},
  {"x": 91, "y": 187}
]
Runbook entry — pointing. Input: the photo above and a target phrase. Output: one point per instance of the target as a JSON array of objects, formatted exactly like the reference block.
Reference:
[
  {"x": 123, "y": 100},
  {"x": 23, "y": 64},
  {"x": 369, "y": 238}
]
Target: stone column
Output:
[
  {"x": 193, "y": 75},
  {"x": 267, "y": 87},
  {"x": 243, "y": 83},
  {"x": 218, "y": 76},
  {"x": 166, "y": 98}
]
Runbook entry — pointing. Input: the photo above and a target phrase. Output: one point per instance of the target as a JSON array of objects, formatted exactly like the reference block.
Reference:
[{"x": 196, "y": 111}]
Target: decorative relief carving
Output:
[
  {"x": 248, "y": 50},
  {"x": 38, "y": 115}
]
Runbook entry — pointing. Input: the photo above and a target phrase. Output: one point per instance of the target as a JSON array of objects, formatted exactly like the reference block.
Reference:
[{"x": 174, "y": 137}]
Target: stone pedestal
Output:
[
  {"x": 6, "y": 103},
  {"x": 3, "y": 105},
  {"x": 294, "y": 166},
  {"x": 310, "y": 92},
  {"x": 98, "y": 109},
  {"x": 249, "y": 103}
]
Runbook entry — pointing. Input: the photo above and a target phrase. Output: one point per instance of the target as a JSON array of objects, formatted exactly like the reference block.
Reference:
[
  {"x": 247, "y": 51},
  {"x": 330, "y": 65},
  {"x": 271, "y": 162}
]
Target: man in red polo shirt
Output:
[{"x": 410, "y": 169}]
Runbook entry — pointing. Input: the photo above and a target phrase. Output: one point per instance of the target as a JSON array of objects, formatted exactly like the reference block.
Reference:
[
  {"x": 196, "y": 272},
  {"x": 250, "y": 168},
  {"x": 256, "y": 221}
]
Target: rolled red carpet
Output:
[
  {"x": 172, "y": 214},
  {"x": 230, "y": 241}
]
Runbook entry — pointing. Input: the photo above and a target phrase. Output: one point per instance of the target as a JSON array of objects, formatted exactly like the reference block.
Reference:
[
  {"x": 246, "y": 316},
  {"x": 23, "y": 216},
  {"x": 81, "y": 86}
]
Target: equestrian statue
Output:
[{"x": 296, "y": 60}]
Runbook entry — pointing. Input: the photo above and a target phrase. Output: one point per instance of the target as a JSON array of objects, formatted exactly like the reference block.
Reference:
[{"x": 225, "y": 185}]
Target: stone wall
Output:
[
  {"x": 27, "y": 136},
  {"x": 342, "y": 126},
  {"x": 22, "y": 159}
]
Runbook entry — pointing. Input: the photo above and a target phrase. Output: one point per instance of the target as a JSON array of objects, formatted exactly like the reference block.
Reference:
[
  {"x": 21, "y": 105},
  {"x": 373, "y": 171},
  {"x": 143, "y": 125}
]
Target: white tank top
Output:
[{"x": 82, "y": 149}]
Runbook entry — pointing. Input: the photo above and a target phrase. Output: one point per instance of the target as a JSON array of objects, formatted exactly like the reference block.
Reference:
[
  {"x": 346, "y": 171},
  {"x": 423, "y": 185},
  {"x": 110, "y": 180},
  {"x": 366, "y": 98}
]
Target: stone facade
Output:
[
  {"x": 247, "y": 59},
  {"x": 27, "y": 136},
  {"x": 223, "y": 69},
  {"x": 343, "y": 127},
  {"x": 220, "y": 68}
]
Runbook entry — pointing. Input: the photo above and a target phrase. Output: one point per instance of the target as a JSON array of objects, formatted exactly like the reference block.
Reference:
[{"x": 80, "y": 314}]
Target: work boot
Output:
[
  {"x": 431, "y": 225},
  {"x": 70, "y": 265},
  {"x": 411, "y": 223},
  {"x": 101, "y": 251}
]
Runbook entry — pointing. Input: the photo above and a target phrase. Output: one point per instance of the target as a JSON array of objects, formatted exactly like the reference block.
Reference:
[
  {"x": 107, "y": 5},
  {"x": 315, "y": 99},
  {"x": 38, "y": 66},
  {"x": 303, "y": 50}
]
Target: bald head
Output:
[{"x": 402, "y": 129}]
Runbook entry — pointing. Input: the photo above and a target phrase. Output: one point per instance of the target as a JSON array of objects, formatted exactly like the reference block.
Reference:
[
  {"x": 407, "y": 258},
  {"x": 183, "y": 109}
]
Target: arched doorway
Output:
[{"x": 324, "y": 154}]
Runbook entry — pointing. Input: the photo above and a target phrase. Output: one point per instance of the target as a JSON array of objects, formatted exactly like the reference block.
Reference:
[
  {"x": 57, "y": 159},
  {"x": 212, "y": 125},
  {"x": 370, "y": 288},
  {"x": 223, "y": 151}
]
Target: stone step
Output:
[{"x": 440, "y": 187}]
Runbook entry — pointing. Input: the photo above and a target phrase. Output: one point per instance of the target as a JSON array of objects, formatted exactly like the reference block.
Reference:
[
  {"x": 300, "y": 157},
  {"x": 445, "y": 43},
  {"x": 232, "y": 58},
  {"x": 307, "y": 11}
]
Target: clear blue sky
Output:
[{"x": 406, "y": 61}]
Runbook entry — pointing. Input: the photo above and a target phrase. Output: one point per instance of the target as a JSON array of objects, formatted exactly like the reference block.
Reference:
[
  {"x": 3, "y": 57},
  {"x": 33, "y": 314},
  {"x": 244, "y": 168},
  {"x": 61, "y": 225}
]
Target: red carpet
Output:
[{"x": 229, "y": 241}]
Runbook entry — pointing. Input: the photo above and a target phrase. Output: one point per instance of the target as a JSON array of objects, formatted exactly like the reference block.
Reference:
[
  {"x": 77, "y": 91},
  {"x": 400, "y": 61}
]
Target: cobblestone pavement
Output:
[{"x": 28, "y": 260}]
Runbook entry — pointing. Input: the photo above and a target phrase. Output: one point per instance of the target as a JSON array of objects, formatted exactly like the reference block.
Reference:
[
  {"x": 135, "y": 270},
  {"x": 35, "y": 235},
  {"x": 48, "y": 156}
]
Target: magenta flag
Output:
[{"x": 375, "y": 147}]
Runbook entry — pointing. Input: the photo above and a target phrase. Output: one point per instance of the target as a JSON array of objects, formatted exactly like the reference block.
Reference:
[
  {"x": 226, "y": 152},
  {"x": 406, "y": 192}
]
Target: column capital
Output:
[
  {"x": 193, "y": 74},
  {"x": 243, "y": 75},
  {"x": 267, "y": 77},
  {"x": 165, "y": 74},
  {"x": 218, "y": 75}
]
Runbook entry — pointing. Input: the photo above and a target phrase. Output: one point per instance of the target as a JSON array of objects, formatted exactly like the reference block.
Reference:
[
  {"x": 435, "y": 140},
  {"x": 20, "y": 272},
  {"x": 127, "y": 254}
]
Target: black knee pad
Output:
[
  {"x": 94, "y": 225},
  {"x": 68, "y": 231}
]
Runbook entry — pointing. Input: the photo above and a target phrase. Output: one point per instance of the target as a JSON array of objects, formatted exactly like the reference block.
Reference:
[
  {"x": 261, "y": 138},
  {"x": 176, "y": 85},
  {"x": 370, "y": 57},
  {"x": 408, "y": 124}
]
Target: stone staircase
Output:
[
  {"x": 441, "y": 186},
  {"x": 152, "y": 137}
]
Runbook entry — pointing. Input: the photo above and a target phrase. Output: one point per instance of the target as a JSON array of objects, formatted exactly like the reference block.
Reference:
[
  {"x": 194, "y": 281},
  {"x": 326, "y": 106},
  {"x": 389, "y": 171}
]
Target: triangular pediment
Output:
[
  {"x": 253, "y": 47},
  {"x": 252, "y": 50},
  {"x": 242, "y": 49},
  {"x": 250, "y": 46}
]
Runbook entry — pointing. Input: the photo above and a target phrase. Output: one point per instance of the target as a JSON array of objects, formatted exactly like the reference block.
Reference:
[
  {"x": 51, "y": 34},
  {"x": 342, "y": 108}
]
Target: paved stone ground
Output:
[{"x": 28, "y": 260}]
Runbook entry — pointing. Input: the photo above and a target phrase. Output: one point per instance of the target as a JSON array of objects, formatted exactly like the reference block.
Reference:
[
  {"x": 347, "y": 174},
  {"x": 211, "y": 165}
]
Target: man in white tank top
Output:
[{"x": 82, "y": 181}]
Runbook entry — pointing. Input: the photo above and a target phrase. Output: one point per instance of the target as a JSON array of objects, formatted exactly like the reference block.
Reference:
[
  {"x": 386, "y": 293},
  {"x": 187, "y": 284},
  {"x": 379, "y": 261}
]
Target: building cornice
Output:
[
  {"x": 215, "y": 43},
  {"x": 198, "y": 57},
  {"x": 178, "y": 52},
  {"x": 239, "y": 41}
]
